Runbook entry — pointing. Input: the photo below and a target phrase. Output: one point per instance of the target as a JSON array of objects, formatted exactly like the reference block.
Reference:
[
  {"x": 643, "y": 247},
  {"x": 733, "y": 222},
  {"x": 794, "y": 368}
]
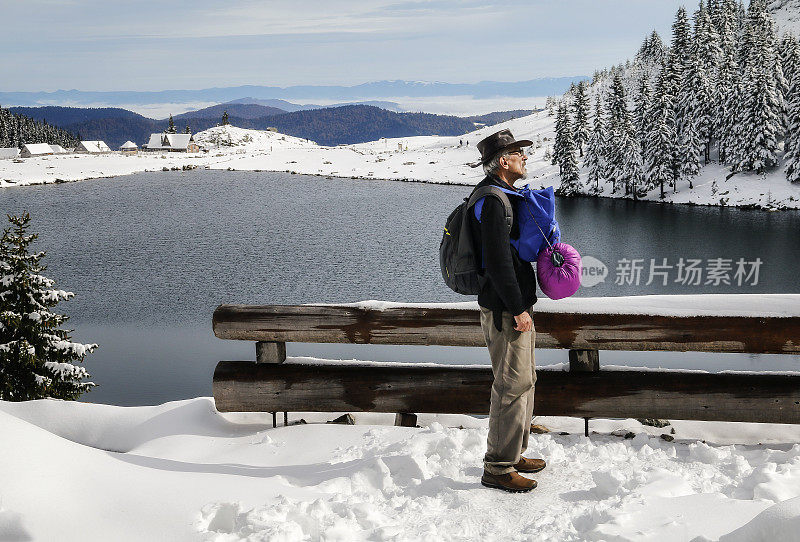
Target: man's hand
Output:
[{"x": 524, "y": 322}]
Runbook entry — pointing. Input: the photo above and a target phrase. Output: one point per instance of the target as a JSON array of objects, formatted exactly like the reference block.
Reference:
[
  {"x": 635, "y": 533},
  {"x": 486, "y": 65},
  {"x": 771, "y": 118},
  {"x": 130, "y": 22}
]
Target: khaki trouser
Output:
[{"x": 511, "y": 406}]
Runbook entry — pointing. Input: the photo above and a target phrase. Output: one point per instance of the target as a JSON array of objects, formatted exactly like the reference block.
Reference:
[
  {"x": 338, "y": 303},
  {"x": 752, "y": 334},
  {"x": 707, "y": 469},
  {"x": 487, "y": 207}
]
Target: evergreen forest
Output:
[
  {"x": 725, "y": 89},
  {"x": 17, "y": 130}
]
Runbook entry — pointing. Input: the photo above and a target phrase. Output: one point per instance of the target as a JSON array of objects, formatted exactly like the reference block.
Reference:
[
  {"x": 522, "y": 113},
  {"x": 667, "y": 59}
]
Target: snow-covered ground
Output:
[
  {"x": 432, "y": 159},
  {"x": 182, "y": 471}
]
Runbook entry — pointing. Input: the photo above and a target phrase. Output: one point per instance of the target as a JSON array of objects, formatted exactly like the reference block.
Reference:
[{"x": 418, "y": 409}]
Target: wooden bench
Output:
[{"x": 580, "y": 326}]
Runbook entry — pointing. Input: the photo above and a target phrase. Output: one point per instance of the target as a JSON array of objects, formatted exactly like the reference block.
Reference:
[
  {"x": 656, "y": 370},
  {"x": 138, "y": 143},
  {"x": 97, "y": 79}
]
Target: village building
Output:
[
  {"x": 36, "y": 149},
  {"x": 129, "y": 148},
  {"x": 8, "y": 153},
  {"x": 92, "y": 147},
  {"x": 172, "y": 143},
  {"x": 58, "y": 149}
]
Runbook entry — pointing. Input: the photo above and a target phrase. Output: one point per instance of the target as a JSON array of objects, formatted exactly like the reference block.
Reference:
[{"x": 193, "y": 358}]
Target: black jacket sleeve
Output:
[{"x": 496, "y": 251}]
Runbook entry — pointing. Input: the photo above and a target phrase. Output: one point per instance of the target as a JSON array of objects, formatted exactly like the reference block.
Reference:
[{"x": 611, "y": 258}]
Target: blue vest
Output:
[{"x": 536, "y": 216}]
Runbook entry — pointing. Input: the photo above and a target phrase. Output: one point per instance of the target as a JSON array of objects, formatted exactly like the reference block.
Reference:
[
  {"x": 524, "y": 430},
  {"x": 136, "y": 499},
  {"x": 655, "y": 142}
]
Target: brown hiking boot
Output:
[
  {"x": 530, "y": 465},
  {"x": 511, "y": 482}
]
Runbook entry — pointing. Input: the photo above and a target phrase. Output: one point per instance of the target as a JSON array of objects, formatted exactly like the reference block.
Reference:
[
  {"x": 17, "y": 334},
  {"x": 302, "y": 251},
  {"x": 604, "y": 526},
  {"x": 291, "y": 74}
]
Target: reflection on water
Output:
[{"x": 150, "y": 256}]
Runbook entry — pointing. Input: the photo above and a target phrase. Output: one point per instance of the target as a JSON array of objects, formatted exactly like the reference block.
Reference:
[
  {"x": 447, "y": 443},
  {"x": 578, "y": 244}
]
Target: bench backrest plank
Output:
[{"x": 459, "y": 327}]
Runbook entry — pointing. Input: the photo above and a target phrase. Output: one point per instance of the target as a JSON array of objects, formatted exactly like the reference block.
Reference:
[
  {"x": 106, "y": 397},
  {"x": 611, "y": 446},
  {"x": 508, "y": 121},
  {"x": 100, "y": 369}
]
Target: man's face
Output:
[{"x": 514, "y": 162}]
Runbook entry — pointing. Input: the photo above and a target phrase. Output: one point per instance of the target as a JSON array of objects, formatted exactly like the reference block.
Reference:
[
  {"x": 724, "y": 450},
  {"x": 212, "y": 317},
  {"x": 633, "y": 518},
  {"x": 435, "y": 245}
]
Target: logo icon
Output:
[{"x": 593, "y": 271}]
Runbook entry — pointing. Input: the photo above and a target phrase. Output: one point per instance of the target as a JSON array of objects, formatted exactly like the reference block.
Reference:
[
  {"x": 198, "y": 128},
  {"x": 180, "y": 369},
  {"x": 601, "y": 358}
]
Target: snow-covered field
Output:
[
  {"x": 425, "y": 158},
  {"x": 182, "y": 471}
]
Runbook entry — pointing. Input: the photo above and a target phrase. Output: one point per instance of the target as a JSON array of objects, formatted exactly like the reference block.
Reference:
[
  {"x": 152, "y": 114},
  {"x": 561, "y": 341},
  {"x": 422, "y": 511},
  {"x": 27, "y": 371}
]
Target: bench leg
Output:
[
  {"x": 405, "y": 419},
  {"x": 269, "y": 352},
  {"x": 584, "y": 361}
]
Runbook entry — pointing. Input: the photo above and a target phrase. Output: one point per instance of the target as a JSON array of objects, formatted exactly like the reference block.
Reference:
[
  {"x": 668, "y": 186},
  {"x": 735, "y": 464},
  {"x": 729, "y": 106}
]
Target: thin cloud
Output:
[{"x": 154, "y": 44}]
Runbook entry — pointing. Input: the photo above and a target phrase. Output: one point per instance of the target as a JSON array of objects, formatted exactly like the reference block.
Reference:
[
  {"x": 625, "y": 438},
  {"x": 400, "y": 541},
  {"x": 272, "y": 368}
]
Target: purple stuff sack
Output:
[{"x": 558, "y": 269}]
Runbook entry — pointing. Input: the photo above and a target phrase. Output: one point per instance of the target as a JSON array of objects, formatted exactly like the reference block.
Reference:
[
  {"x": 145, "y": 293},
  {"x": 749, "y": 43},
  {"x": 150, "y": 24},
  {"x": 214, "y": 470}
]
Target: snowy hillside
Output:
[
  {"x": 181, "y": 471},
  {"x": 231, "y": 136},
  {"x": 426, "y": 158},
  {"x": 786, "y": 14}
]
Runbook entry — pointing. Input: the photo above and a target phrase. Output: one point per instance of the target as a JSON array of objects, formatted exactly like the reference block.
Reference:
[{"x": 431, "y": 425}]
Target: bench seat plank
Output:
[{"x": 299, "y": 387}]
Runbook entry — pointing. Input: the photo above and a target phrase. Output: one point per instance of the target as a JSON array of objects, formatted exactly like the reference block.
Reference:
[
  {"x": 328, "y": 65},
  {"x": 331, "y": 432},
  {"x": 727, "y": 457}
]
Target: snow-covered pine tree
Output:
[
  {"x": 792, "y": 140},
  {"x": 714, "y": 8},
  {"x": 632, "y": 165},
  {"x": 705, "y": 58},
  {"x": 786, "y": 49},
  {"x": 727, "y": 78},
  {"x": 762, "y": 102},
  {"x": 676, "y": 62},
  {"x": 680, "y": 50},
  {"x": 550, "y": 104},
  {"x": 567, "y": 163},
  {"x": 692, "y": 148},
  {"x": 680, "y": 61},
  {"x": 652, "y": 50},
  {"x": 641, "y": 103},
  {"x": 581, "y": 124},
  {"x": 695, "y": 96},
  {"x": 613, "y": 152},
  {"x": 741, "y": 19},
  {"x": 624, "y": 155},
  {"x": 225, "y": 118},
  {"x": 5, "y": 136},
  {"x": 595, "y": 150},
  {"x": 662, "y": 143},
  {"x": 36, "y": 355},
  {"x": 171, "y": 129},
  {"x": 558, "y": 142}
]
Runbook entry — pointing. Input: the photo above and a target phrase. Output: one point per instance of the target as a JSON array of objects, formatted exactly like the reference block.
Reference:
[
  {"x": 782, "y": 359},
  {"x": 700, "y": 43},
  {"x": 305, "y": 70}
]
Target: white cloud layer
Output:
[{"x": 92, "y": 45}]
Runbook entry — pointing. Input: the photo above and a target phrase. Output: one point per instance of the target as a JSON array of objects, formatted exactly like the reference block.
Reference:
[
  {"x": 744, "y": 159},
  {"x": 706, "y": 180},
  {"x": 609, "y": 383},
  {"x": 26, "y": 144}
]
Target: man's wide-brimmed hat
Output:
[{"x": 500, "y": 141}]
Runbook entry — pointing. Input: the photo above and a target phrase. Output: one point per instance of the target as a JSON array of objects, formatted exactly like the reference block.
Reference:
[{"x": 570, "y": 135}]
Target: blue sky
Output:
[{"x": 147, "y": 45}]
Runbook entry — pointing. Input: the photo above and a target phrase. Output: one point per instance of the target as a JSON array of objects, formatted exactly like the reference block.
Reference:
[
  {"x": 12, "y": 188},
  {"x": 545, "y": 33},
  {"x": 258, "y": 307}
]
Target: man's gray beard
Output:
[{"x": 524, "y": 176}]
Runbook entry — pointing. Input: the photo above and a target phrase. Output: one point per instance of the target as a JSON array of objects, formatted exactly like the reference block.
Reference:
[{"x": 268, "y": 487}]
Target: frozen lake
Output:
[{"x": 149, "y": 256}]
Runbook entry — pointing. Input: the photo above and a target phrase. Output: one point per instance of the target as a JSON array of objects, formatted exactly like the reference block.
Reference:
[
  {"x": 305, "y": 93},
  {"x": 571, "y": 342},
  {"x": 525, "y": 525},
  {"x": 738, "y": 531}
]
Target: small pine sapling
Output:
[{"x": 36, "y": 354}]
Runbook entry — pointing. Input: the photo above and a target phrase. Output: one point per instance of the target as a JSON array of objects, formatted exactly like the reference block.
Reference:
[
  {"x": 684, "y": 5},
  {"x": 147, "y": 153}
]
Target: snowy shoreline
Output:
[{"x": 422, "y": 159}]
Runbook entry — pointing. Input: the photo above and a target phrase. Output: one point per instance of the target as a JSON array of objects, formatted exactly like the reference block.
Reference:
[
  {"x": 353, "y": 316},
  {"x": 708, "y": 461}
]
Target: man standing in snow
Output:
[{"x": 506, "y": 302}]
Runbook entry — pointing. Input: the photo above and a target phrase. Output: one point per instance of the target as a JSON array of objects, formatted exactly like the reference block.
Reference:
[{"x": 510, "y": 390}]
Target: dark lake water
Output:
[{"x": 149, "y": 256}]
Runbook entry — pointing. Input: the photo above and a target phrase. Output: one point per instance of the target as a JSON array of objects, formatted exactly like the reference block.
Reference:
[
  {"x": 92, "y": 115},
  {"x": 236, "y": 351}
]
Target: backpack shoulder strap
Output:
[{"x": 484, "y": 191}]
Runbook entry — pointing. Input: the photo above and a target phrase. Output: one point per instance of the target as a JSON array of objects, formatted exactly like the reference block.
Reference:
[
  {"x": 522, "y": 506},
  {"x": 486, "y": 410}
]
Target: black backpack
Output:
[{"x": 461, "y": 266}]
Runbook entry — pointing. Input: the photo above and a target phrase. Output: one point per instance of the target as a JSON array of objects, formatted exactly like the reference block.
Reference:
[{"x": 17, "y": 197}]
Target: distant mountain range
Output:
[
  {"x": 327, "y": 126},
  {"x": 289, "y": 106},
  {"x": 550, "y": 86}
]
